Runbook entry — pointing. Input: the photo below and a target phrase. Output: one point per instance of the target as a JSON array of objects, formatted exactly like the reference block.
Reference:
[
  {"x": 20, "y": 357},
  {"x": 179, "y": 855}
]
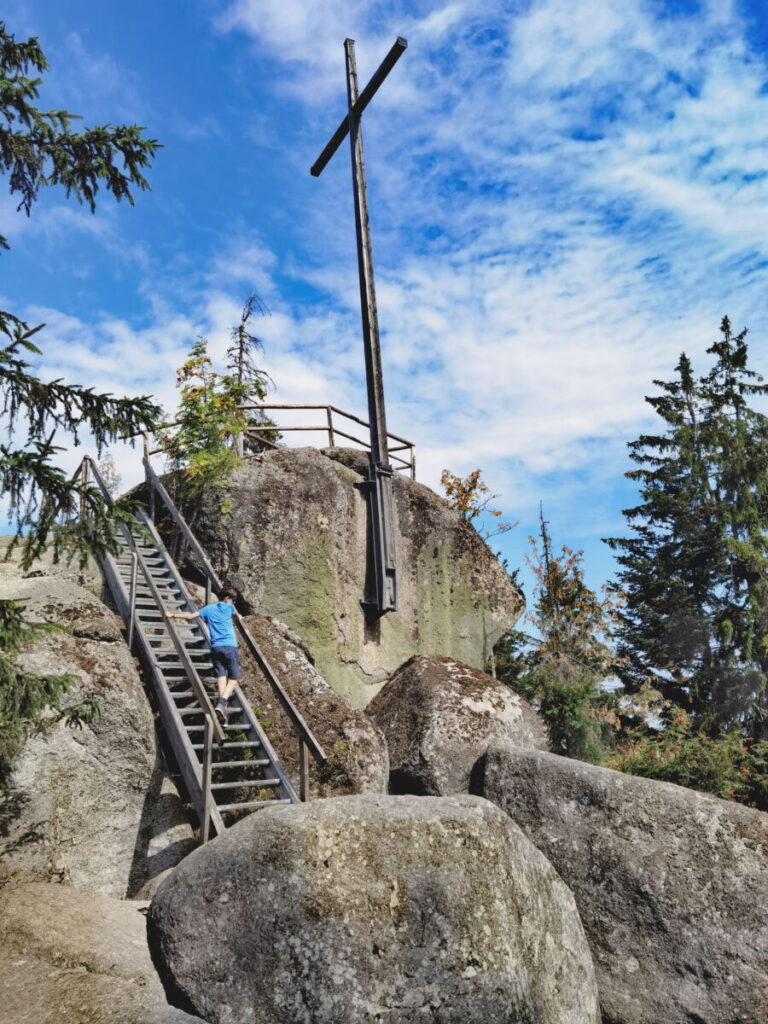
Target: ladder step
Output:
[
  {"x": 239, "y": 764},
  {"x": 244, "y": 727},
  {"x": 250, "y": 783},
  {"x": 156, "y": 574},
  {"x": 230, "y": 746},
  {"x": 223, "y": 808}
]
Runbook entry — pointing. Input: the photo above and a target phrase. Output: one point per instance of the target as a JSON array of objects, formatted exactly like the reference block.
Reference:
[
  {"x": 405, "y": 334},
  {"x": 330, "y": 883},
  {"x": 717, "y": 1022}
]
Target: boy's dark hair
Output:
[{"x": 228, "y": 592}]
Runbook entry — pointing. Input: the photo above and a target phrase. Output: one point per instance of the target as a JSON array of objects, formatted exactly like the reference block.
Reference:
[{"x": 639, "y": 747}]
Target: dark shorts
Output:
[{"x": 225, "y": 662}]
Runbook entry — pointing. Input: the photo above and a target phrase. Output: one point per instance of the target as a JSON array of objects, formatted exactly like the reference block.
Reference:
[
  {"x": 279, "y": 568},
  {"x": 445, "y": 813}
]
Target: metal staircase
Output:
[{"x": 228, "y": 769}]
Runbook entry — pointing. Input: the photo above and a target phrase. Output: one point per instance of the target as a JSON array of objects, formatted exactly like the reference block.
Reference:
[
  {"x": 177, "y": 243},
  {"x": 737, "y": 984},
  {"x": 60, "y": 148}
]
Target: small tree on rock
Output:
[{"x": 560, "y": 668}]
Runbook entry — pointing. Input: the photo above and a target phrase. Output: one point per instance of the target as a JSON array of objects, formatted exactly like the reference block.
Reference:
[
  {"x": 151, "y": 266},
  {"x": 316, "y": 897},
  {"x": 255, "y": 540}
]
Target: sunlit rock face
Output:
[
  {"x": 291, "y": 532},
  {"x": 77, "y": 958},
  {"x": 91, "y": 806},
  {"x": 439, "y": 717},
  {"x": 373, "y": 908},
  {"x": 670, "y": 884}
]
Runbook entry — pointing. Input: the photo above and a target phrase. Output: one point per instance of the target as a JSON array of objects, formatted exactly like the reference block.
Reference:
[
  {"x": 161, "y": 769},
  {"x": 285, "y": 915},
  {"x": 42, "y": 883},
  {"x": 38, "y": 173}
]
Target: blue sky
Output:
[{"x": 564, "y": 194}]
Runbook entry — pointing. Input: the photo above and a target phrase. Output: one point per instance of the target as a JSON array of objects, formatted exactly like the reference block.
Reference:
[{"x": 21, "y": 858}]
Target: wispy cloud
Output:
[{"x": 564, "y": 195}]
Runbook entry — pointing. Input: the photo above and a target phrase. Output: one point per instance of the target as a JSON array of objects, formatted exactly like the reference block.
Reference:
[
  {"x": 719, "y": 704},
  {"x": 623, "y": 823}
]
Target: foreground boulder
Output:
[
  {"x": 355, "y": 747},
  {"x": 672, "y": 885},
  {"x": 296, "y": 544},
  {"x": 373, "y": 908},
  {"x": 439, "y": 716},
  {"x": 77, "y": 958},
  {"x": 91, "y": 806}
]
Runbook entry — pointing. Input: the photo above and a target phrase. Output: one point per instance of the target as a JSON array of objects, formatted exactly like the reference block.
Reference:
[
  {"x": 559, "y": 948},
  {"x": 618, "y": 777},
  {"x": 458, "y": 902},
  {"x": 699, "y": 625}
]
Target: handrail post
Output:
[
  {"x": 207, "y": 759},
  {"x": 83, "y": 486},
  {"x": 331, "y": 439},
  {"x": 413, "y": 462},
  {"x": 303, "y": 770},
  {"x": 132, "y": 622}
]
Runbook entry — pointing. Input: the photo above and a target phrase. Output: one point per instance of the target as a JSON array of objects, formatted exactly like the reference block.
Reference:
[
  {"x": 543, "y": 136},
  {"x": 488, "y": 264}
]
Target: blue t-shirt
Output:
[{"x": 220, "y": 623}]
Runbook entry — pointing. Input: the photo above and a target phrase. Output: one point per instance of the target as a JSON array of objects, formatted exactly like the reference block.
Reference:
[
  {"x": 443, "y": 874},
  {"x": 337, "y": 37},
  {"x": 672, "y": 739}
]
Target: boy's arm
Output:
[{"x": 182, "y": 615}]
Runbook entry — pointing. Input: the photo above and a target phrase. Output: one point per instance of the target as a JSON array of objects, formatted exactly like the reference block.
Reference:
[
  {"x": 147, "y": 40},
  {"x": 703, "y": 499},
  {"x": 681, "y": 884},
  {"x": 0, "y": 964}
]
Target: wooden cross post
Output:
[{"x": 379, "y": 484}]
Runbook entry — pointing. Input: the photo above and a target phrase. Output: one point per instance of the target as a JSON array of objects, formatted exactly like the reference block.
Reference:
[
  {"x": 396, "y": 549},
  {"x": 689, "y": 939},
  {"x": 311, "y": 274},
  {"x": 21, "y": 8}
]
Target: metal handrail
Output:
[
  {"x": 213, "y": 728},
  {"x": 306, "y": 738}
]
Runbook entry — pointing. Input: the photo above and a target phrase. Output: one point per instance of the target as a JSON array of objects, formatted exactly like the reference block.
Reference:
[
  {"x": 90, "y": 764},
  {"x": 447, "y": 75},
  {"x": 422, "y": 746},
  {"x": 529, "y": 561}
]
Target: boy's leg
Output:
[{"x": 228, "y": 689}]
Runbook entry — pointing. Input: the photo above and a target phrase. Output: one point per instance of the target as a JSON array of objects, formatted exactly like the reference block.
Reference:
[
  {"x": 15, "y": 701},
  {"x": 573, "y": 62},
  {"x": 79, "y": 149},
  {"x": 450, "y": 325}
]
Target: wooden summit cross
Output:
[{"x": 379, "y": 484}]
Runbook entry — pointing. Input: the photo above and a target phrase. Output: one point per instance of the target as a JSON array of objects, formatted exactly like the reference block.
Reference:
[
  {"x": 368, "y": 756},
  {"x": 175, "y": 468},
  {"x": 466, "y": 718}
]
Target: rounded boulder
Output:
[{"x": 373, "y": 908}]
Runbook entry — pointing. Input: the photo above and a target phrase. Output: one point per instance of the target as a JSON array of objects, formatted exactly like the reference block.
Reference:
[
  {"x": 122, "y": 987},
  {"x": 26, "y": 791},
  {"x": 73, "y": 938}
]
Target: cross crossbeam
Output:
[
  {"x": 398, "y": 49},
  {"x": 379, "y": 484}
]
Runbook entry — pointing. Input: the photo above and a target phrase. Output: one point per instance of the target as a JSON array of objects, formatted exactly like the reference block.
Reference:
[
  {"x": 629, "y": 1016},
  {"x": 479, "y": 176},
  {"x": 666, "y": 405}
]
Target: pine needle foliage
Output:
[
  {"x": 250, "y": 383},
  {"x": 29, "y": 701},
  {"x": 39, "y": 149},
  {"x": 693, "y": 569},
  {"x": 560, "y": 666}
]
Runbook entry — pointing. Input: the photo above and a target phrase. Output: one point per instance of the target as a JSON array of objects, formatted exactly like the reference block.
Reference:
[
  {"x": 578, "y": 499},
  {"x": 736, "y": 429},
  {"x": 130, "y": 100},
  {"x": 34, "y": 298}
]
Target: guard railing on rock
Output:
[{"x": 405, "y": 461}]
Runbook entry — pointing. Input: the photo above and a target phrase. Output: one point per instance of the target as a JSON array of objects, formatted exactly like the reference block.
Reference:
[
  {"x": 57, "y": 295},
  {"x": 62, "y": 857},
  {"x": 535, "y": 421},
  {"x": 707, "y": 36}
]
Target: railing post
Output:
[
  {"x": 132, "y": 623},
  {"x": 303, "y": 770},
  {"x": 207, "y": 797},
  {"x": 331, "y": 439},
  {"x": 83, "y": 487},
  {"x": 148, "y": 478},
  {"x": 413, "y": 463},
  {"x": 207, "y": 589}
]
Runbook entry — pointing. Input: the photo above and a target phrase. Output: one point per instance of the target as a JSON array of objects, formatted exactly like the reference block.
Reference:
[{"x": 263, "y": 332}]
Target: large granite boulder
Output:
[
  {"x": 77, "y": 958},
  {"x": 355, "y": 747},
  {"x": 294, "y": 539},
  {"x": 672, "y": 885},
  {"x": 439, "y": 716},
  {"x": 91, "y": 806},
  {"x": 373, "y": 908}
]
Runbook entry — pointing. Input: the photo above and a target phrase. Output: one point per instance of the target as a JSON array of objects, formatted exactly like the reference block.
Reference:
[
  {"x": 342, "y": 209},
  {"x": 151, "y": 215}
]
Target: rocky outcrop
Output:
[
  {"x": 77, "y": 958},
  {"x": 91, "y": 806},
  {"x": 375, "y": 908},
  {"x": 439, "y": 716},
  {"x": 355, "y": 747},
  {"x": 671, "y": 885},
  {"x": 294, "y": 540}
]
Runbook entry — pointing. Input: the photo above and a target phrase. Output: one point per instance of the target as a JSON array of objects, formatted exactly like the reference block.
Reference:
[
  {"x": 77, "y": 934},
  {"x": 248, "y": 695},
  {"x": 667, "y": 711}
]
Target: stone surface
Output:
[
  {"x": 355, "y": 747},
  {"x": 439, "y": 716},
  {"x": 295, "y": 540},
  {"x": 91, "y": 806},
  {"x": 373, "y": 908},
  {"x": 77, "y": 958},
  {"x": 672, "y": 885}
]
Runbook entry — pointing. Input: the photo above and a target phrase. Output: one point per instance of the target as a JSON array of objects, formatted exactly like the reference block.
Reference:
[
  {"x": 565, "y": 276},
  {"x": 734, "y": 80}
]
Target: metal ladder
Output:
[
  {"x": 244, "y": 770},
  {"x": 228, "y": 769}
]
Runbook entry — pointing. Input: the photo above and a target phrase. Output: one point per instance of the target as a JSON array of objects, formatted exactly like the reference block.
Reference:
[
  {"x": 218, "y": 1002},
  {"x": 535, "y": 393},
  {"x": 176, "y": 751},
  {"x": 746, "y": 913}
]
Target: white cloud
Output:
[{"x": 564, "y": 195}]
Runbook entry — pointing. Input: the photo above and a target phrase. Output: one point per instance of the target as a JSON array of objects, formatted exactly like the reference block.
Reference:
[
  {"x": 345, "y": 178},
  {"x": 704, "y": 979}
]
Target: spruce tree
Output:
[
  {"x": 695, "y": 621},
  {"x": 249, "y": 382},
  {"x": 39, "y": 149}
]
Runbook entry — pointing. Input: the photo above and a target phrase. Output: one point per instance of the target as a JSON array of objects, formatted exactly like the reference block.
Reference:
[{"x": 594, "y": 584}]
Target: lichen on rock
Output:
[
  {"x": 670, "y": 883},
  {"x": 93, "y": 806},
  {"x": 373, "y": 908},
  {"x": 439, "y": 717},
  {"x": 295, "y": 542}
]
